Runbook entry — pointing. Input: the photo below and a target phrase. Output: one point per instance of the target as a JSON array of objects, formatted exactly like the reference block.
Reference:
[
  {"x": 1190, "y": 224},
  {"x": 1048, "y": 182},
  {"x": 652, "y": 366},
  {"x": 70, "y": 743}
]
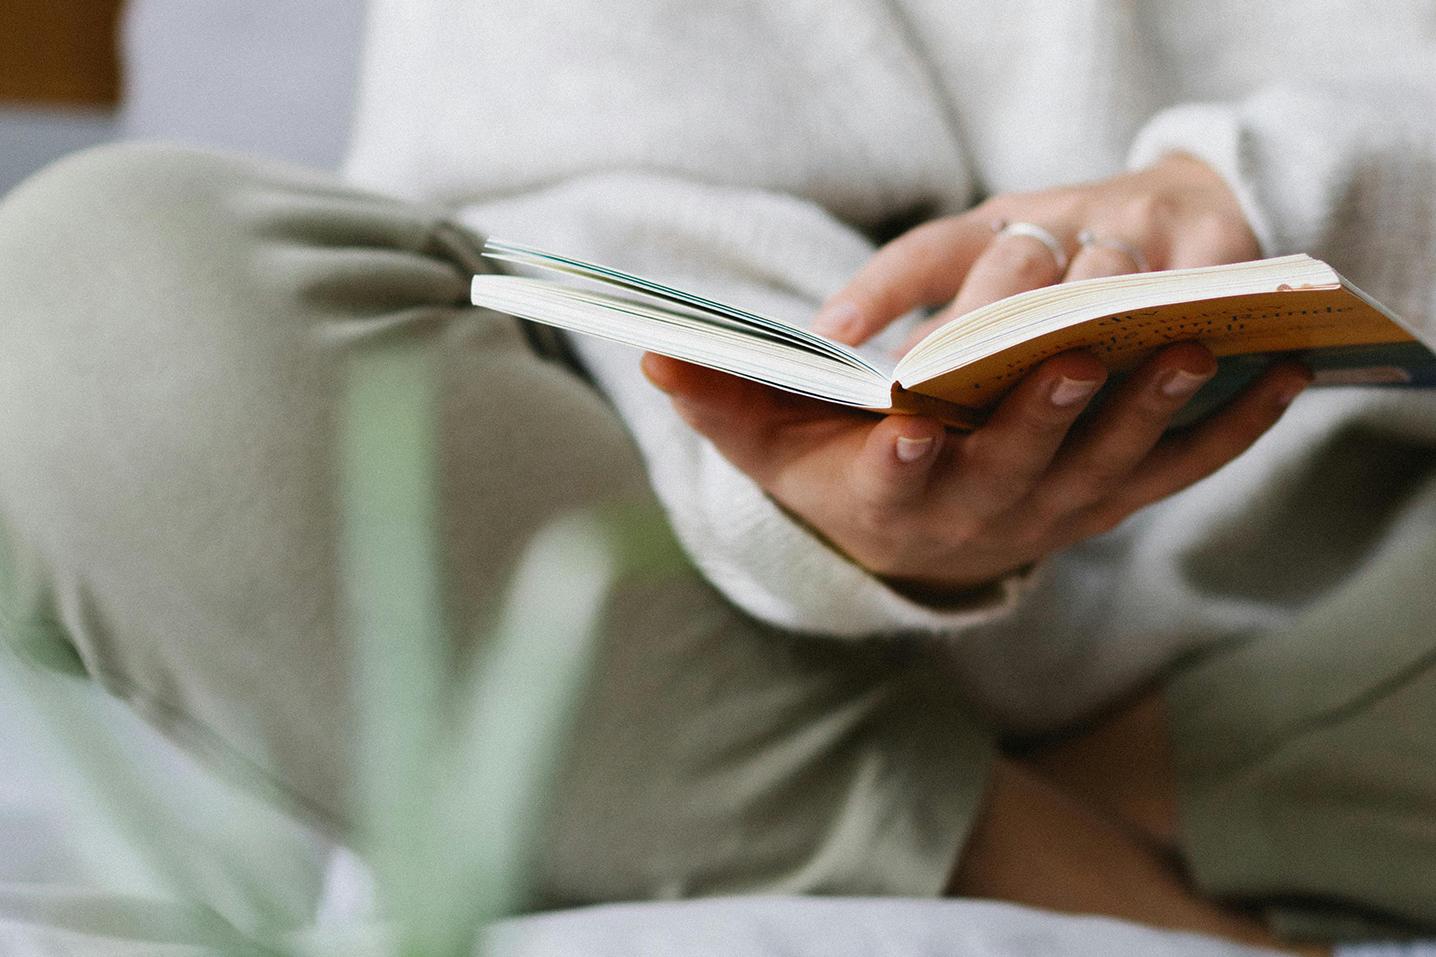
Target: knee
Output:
[
  {"x": 114, "y": 175},
  {"x": 96, "y": 243},
  {"x": 134, "y": 190},
  {"x": 181, "y": 216}
]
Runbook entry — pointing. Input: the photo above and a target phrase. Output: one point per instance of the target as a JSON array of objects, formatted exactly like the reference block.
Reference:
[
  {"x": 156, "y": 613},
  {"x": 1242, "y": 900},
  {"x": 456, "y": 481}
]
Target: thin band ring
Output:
[
  {"x": 1034, "y": 231},
  {"x": 1088, "y": 238}
]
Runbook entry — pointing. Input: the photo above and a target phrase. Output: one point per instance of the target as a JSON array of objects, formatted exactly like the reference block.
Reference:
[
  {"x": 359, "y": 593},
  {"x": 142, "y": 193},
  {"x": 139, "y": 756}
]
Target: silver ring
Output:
[
  {"x": 1088, "y": 238},
  {"x": 1034, "y": 231}
]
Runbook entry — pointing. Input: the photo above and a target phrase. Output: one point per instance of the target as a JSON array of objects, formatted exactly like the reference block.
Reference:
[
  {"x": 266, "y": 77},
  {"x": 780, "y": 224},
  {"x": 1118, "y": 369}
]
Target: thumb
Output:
[{"x": 895, "y": 465}]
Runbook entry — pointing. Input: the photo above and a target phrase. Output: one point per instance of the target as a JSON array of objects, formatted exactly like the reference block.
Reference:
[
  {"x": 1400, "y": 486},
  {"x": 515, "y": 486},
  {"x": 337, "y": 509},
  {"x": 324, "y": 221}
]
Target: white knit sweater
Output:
[{"x": 751, "y": 149}]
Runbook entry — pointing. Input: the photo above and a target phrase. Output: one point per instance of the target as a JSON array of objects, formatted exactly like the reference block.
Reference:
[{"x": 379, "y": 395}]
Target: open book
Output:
[{"x": 1245, "y": 313}]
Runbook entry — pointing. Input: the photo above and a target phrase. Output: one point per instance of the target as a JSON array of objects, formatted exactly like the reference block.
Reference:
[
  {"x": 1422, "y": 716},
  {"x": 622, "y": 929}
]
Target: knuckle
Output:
[
  {"x": 998, "y": 456},
  {"x": 1217, "y": 233},
  {"x": 1093, "y": 478},
  {"x": 1098, "y": 261},
  {"x": 1042, "y": 420},
  {"x": 1149, "y": 211},
  {"x": 1206, "y": 230},
  {"x": 1022, "y": 258},
  {"x": 1066, "y": 203},
  {"x": 1055, "y": 201}
]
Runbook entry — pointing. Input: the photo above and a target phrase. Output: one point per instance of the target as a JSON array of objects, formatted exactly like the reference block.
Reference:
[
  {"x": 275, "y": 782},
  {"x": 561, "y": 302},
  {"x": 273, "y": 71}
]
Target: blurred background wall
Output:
[{"x": 261, "y": 76}]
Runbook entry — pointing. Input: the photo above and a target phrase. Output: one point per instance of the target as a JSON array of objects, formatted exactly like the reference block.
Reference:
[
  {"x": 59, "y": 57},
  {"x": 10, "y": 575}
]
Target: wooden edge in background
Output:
[{"x": 59, "y": 52}]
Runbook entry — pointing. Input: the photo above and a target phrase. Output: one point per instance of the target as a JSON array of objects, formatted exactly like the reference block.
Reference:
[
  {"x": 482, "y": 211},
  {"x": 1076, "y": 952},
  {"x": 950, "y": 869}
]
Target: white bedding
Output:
[
  {"x": 250, "y": 875},
  {"x": 54, "y": 922}
]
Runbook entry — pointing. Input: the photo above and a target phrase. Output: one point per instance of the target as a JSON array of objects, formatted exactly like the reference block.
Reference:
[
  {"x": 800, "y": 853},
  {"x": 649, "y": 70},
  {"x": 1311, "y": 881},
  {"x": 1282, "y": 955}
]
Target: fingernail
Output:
[
  {"x": 910, "y": 450},
  {"x": 1179, "y": 383},
  {"x": 837, "y": 320},
  {"x": 1068, "y": 392}
]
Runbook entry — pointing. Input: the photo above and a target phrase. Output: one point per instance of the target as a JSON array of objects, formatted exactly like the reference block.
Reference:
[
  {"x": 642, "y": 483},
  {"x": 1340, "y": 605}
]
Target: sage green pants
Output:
[{"x": 173, "y": 337}]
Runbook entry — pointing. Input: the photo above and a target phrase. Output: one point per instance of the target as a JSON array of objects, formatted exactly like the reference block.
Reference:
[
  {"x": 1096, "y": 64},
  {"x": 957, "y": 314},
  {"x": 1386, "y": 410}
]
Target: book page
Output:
[
  {"x": 707, "y": 339},
  {"x": 695, "y": 307},
  {"x": 1284, "y": 321}
]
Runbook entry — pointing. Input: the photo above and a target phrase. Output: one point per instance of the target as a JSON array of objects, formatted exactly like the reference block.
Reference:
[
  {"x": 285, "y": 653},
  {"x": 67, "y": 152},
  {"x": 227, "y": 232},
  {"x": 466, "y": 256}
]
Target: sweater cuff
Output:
[
  {"x": 778, "y": 570},
  {"x": 1214, "y": 134}
]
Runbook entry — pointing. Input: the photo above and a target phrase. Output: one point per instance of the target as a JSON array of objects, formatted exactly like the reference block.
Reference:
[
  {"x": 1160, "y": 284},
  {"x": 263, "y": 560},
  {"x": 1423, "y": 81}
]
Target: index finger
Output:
[{"x": 923, "y": 267}]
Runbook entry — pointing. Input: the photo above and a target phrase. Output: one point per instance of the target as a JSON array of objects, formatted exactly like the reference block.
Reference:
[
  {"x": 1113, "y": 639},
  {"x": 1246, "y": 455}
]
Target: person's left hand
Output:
[{"x": 1175, "y": 214}]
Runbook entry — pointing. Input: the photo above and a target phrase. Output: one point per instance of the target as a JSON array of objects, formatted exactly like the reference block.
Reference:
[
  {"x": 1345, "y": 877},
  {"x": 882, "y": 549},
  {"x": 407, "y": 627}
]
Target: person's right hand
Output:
[{"x": 940, "y": 514}]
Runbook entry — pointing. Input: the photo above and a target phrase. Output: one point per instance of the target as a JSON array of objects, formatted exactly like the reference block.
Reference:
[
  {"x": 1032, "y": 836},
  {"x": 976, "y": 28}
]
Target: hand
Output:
[
  {"x": 1176, "y": 214},
  {"x": 940, "y": 514}
]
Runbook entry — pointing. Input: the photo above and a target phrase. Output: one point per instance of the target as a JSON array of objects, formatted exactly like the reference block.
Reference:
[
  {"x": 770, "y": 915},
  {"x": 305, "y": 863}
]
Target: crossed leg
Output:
[
  {"x": 1089, "y": 825},
  {"x": 176, "y": 330}
]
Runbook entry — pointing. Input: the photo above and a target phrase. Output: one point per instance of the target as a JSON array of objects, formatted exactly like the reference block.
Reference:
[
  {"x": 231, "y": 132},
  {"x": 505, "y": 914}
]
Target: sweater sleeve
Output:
[
  {"x": 753, "y": 551},
  {"x": 732, "y": 148},
  {"x": 1341, "y": 167},
  {"x": 746, "y": 545}
]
